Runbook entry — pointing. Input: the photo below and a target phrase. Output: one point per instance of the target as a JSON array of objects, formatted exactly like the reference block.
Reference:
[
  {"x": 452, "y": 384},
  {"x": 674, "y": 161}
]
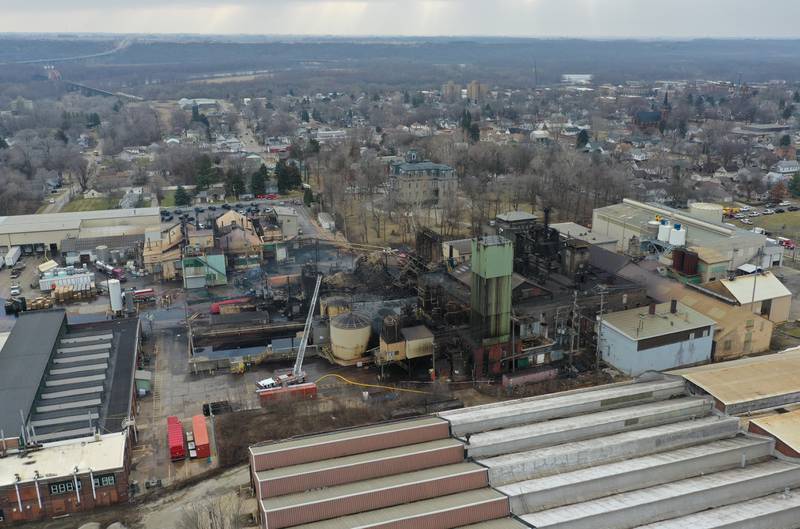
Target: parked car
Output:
[
  {"x": 793, "y": 208},
  {"x": 768, "y": 212},
  {"x": 178, "y": 211},
  {"x": 780, "y": 210},
  {"x": 785, "y": 203},
  {"x": 15, "y": 290},
  {"x": 198, "y": 209},
  {"x": 755, "y": 214},
  {"x": 746, "y": 208},
  {"x": 747, "y": 221},
  {"x": 226, "y": 206},
  {"x": 212, "y": 208}
]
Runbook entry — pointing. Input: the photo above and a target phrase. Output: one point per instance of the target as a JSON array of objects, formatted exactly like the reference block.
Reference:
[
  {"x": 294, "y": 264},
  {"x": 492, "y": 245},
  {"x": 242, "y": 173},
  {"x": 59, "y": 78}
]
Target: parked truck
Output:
[
  {"x": 13, "y": 255},
  {"x": 111, "y": 271}
]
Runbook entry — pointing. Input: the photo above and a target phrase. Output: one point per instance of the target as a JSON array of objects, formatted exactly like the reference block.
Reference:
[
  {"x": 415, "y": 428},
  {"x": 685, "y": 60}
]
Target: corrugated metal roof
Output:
[
  {"x": 355, "y": 459},
  {"x": 756, "y": 287},
  {"x": 65, "y": 221},
  {"x": 749, "y": 378},
  {"x": 639, "y": 324},
  {"x": 419, "y": 332},
  {"x": 784, "y": 426},
  {"x": 410, "y": 510},
  {"x": 361, "y": 487}
]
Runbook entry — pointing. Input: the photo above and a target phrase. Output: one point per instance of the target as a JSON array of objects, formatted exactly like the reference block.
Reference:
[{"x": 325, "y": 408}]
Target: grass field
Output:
[
  {"x": 783, "y": 224},
  {"x": 169, "y": 199},
  {"x": 90, "y": 204}
]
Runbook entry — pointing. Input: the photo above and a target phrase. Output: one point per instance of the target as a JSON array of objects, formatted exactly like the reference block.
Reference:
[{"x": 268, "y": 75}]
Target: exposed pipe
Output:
[
  {"x": 19, "y": 498},
  {"x": 75, "y": 480},
  {"x": 91, "y": 478},
  {"x": 36, "y": 484}
]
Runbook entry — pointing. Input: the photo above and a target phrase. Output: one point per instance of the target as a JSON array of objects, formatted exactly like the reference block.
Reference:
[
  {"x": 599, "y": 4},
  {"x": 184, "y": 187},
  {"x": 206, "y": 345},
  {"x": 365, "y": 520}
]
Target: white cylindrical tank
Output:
[
  {"x": 663, "y": 231},
  {"x": 115, "y": 293},
  {"x": 706, "y": 211},
  {"x": 652, "y": 229},
  {"x": 350, "y": 334},
  {"x": 101, "y": 253},
  {"x": 677, "y": 237}
]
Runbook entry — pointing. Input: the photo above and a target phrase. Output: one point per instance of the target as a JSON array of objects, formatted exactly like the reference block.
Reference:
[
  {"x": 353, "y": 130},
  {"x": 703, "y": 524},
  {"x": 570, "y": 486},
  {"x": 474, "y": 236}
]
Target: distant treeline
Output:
[{"x": 415, "y": 63}]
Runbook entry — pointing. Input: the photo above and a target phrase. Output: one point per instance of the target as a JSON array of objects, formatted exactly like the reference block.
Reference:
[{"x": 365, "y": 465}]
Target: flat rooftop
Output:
[
  {"x": 748, "y": 379},
  {"x": 783, "y": 426},
  {"x": 700, "y": 232},
  {"x": 68, "y": 221},
  {"x": 58, "y": 460},
  {"x": 639, "y": 324},
  {"x": 576, "y": 231}
]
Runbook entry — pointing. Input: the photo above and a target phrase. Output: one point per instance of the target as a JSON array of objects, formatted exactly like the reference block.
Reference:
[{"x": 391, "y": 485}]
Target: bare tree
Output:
[{"x": 222, "y": 512}]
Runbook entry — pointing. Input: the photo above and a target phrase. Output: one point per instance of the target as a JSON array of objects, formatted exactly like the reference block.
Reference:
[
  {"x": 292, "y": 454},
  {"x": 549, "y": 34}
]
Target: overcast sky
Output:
[{"x": 534, "y": 18}]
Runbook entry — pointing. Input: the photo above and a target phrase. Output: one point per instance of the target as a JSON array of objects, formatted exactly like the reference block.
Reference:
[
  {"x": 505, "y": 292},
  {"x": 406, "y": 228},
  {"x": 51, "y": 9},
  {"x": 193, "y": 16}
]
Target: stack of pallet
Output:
[
  {"x": 69, "y": 293},
  {"x": 40, "y": 303}
]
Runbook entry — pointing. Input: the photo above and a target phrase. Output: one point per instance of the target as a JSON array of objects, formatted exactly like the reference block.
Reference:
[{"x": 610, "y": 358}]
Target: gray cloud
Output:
[{"x": 547, "y": 18}]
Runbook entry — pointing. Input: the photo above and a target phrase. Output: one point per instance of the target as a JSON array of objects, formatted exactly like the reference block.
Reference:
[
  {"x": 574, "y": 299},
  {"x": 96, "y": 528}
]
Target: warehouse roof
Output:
[
  {"x": 67, "y": 221},
  {"x": 700, "y": 232},
  {"x": 385, "y": 483},
  {"x": 353, "y": 433},
  {"x": 576, "y": 231},
  {"x": 58, "y": 460},
  {"x": 409, "y": 511},
  {"x": 748, "y": 379},
  {"x": 755, "y": 287},
  {"x": 783, "y": 426},
  {"x": 23, "y": 359},
  {"x": 516, "y": 216},
  {"x": 639, "y": 324},
  {"x": 62, "y": 379},
  {"x": 339, "y": 462},
  {"x": 418, "y": 332}
]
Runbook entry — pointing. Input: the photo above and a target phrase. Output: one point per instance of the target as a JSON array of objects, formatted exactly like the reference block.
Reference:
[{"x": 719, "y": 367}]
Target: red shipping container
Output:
[
  {"x": 201, "y": 436},
  {"x": 176, "y": 439}
]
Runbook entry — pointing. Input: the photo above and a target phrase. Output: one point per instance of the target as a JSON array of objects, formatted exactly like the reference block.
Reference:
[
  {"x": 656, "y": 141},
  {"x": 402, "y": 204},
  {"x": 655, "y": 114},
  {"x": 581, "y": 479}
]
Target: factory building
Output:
[
  {"x": 45, "y": 232},
  {"x": 67, "y": 411},
  {"x": 656, "y": 338},
  {"x": 647, "y": 453},
  {"x": 636, "y": 226},
  {"x": 63, "y": 478}
]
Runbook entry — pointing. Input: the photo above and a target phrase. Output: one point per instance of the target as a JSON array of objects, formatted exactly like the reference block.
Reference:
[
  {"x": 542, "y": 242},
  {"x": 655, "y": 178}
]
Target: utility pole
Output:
[
  {"x": 574, "y": 334},
  {"x": 598, "y": 352}
]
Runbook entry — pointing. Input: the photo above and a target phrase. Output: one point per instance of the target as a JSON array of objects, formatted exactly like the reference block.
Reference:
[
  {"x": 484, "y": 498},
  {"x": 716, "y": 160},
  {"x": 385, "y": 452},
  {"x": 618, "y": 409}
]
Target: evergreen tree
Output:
[
  {"x": 288, "y": 177},
  {"x": 234, "y": 182},
  {"x": 93, "y": 120},
  {"x": 316, "y": 116},
  {"x": 794, "y": 185},
  {"x": 206, "y": 173},
  {"x": 582, "y": 139},
  {"x": 475, "y": 132},
  {"x": 61, "y": 136},
  {"x": 308, "y": 197},
  {"x": 3, "y": 144},
  {"x": 796, "y": 96},
  {"x": 304, "y": 116},
  {"x": 182, "y": 198},
  {"x": 258, "y": 181},
  {"x": 786, "y": 140}
]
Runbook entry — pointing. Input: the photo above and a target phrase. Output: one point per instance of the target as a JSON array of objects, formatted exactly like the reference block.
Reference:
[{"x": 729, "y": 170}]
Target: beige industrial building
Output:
[
  {"x": 762, "y": 293},
  {"x": 637, "y": 221},
  {"x": 49, "y": 229}
]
